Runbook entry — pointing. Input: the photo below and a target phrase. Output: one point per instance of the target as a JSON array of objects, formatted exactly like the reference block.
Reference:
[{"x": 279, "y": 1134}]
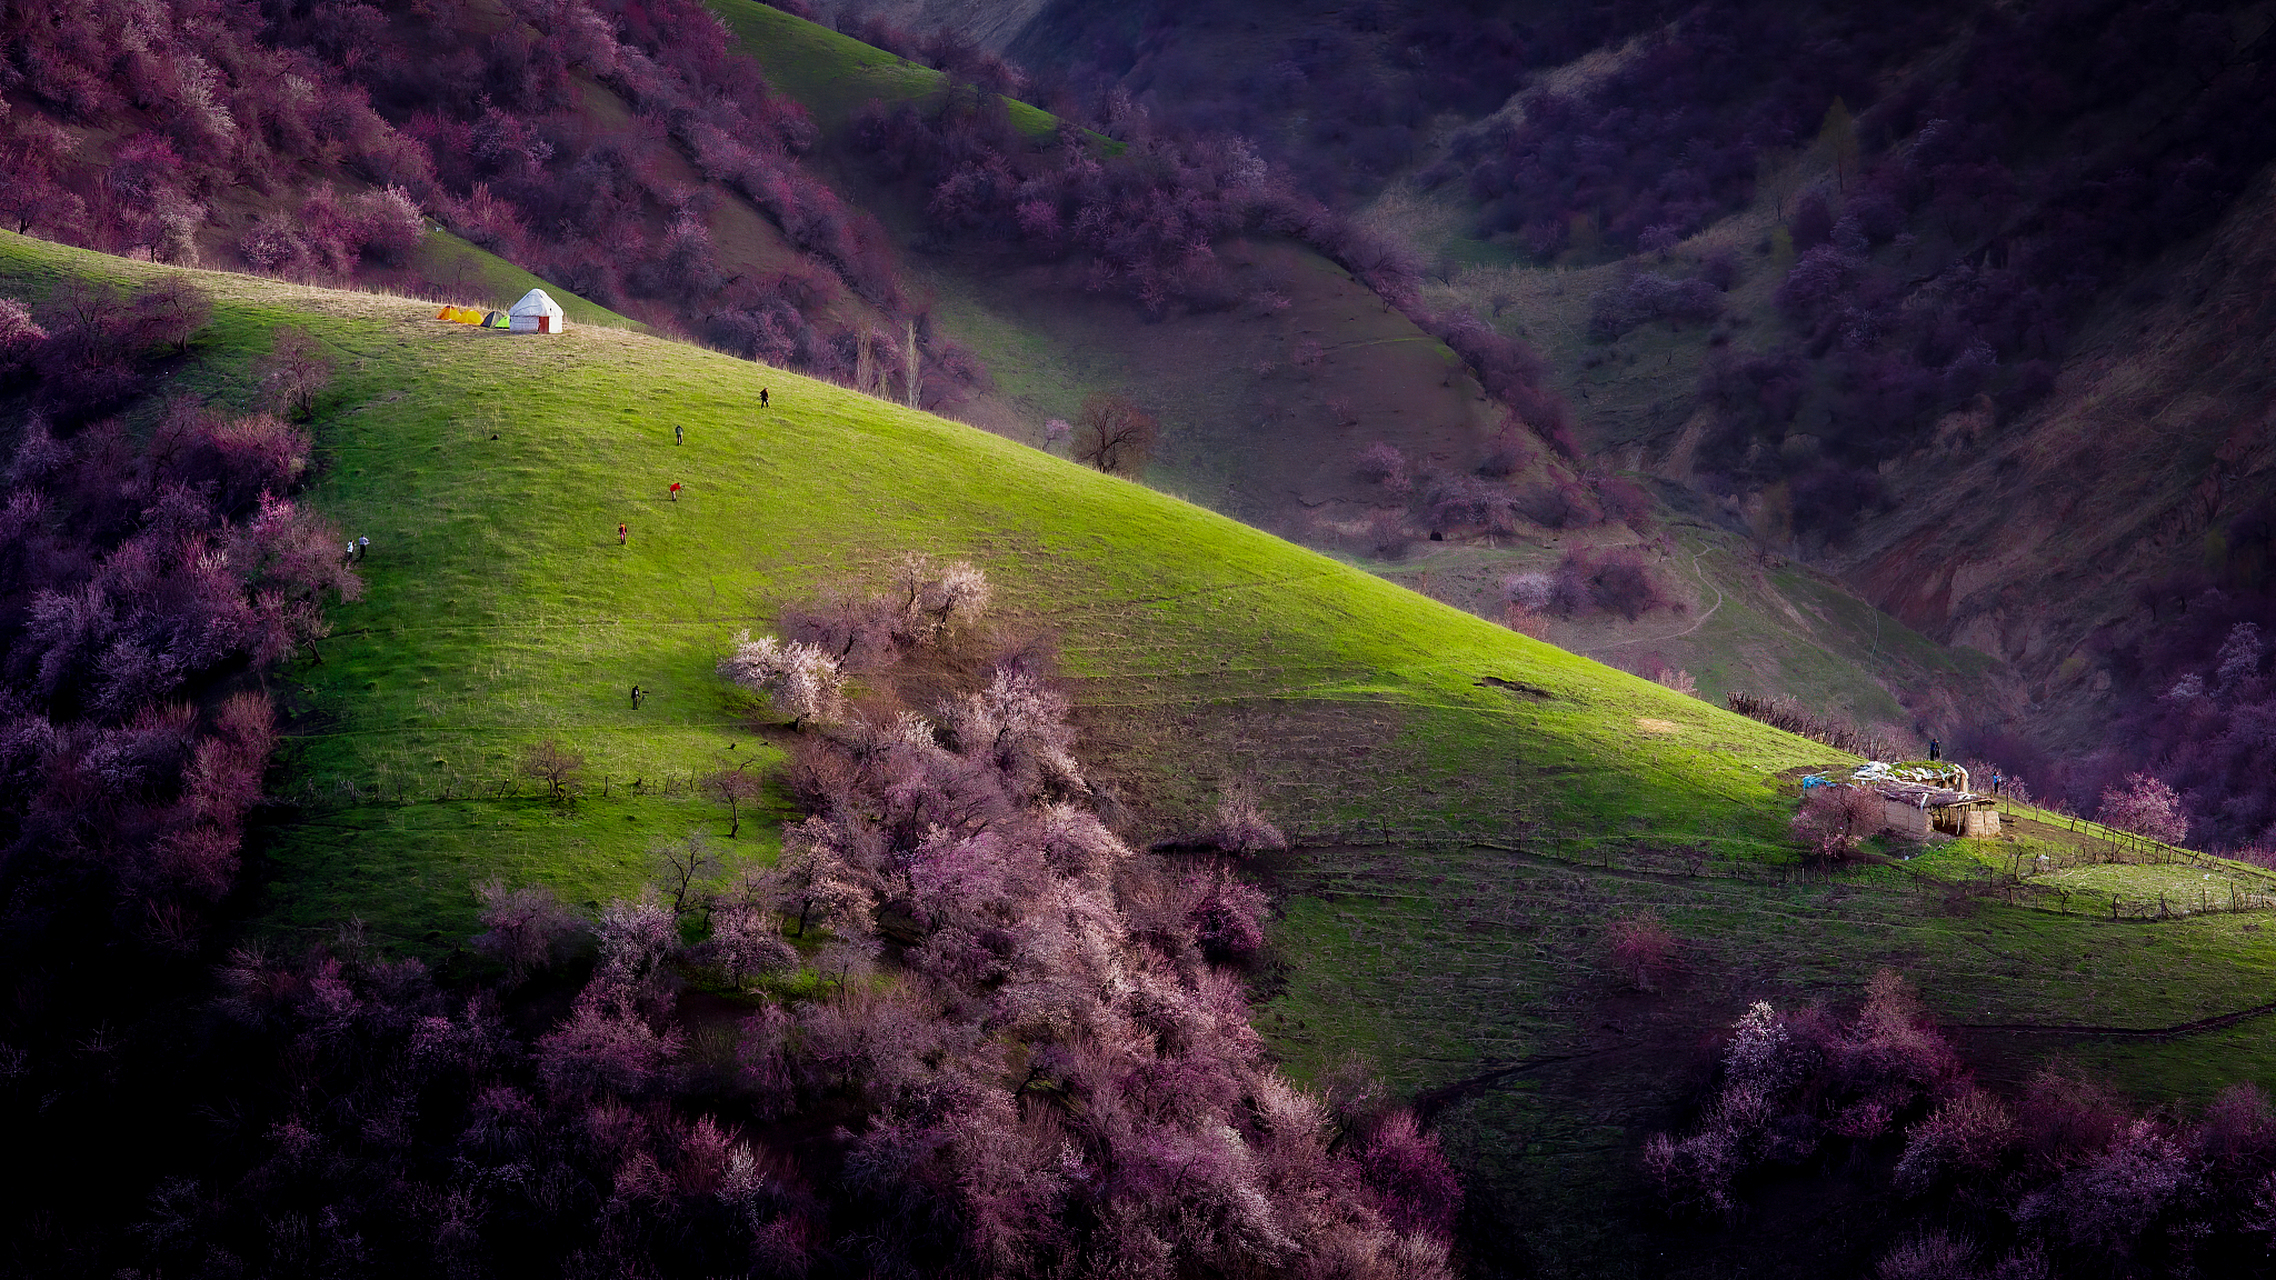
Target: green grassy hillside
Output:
[
  {"x": 1474, "y": 807},
  {"x": 834, "y": 74},
  {"x": 1251, "y": 434},
  {"x": 470, "y": 275}
]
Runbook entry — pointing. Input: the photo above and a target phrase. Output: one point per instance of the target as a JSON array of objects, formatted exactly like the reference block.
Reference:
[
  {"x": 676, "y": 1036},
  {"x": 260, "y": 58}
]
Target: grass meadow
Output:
[{"x": 1472, "y": 806}]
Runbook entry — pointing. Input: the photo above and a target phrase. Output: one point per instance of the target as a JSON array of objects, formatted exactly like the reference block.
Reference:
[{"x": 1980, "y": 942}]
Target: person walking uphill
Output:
[
  {"x": 762, "y": 397},
  {"x": 622, "y": 533}
]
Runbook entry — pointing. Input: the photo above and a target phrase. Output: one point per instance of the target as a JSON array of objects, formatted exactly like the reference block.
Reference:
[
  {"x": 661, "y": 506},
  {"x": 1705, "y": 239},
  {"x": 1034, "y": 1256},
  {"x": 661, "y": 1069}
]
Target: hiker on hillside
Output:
[
  {"x": 363, "y": 548},
  {"x": 675, "y": 491},
  {"x": 1935, "y": 748},
  {"x": 679, "y": 434},
  {"x": 636, "y": 697},
  {"x": 1996, "y": 781},
  {"x": 622, "y": 533},
  {"x": 762, "y": 397}
]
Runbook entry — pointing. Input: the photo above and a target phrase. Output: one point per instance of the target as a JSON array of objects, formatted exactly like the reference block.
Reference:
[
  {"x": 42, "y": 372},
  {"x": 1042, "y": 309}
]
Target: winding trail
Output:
[
  {"x": 2217, "y": 1022},
  {"x": 1430, "y": 1102},
  {"x": 1695, "y": 572}
]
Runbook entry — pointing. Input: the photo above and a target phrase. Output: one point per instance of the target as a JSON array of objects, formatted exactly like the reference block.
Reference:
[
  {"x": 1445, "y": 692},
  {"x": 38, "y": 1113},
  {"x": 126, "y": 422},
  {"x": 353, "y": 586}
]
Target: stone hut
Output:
[{"x": 1919, "y": 808}]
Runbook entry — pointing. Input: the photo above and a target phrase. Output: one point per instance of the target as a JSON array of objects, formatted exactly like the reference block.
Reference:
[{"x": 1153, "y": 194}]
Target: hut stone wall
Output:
[{"x": 1904, "y": 817}]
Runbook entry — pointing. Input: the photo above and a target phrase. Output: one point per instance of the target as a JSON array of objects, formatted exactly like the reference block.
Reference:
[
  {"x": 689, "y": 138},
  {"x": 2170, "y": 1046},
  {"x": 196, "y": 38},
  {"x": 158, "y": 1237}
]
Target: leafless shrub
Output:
[
  {"x": 736, "y": 788},
  {"x": 1239, "y": 825},
  {"x": 1642, "y": 949},
  {"x": 525, "y": 929},
  {"x": 294, "y": 373},
  {"x": 559, "y": 768},
  {"x": 1834, "y": 819},
  {"x": 1834, "y": 731},
  {"x": 1930, "y": 1256}
]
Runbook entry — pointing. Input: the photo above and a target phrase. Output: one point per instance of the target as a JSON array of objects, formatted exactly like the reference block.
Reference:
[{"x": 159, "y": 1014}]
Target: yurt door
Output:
[{"x": 545, "y": 324}]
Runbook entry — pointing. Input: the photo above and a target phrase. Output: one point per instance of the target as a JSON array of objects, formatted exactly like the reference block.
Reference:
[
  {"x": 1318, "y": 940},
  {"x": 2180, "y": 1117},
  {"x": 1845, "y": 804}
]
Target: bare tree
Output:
[
  {"x": 555, "y": 765},
  {"x": 1240, "y": 825},
  {"x": 1641, "y": 948},
  {"x": 294, "y": 373},
  {"x": 172, "y": 311},
  {"x": 1113, "y": 434},
  {"x": 526, "y": 929},
  {"x": 682, "y": 869},
  {"x": 734, "y": 788}
]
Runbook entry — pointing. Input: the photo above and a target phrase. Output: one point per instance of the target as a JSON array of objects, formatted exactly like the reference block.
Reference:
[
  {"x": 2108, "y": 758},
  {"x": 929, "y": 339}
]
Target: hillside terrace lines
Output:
[{"x": 1550, "y": 925}]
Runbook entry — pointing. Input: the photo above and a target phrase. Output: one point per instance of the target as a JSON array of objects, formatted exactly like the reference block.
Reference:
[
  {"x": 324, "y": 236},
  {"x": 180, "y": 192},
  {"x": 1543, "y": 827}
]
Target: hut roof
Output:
[{"x": 1921, "y": 795}]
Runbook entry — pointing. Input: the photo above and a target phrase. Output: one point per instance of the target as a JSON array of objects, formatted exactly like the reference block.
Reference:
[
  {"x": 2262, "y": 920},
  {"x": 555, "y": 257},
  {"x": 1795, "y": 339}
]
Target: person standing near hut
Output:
[{"x": 1935, "y": 747}]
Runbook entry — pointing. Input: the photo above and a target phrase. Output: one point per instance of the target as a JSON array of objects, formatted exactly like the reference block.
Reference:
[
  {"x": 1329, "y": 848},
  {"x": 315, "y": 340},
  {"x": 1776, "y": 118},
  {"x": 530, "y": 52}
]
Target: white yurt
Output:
[{"x": 537, "y": 313}]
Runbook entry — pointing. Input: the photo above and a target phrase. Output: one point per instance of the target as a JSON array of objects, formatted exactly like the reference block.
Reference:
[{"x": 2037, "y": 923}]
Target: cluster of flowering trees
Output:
[
  {"x": 1618, "y": 581},
  {"x": 2065, "y": 1179},
  {"x": 1668, "y": 140},
  {"x": 141, "y": 584},
  {"x": 354, "y": 123},
  {"x": 1952, "y": 266},
  {"x": 1487, "y": 500},
  {"x": 2199, "y": 700},
  {"x": 958, "y": 1027}
]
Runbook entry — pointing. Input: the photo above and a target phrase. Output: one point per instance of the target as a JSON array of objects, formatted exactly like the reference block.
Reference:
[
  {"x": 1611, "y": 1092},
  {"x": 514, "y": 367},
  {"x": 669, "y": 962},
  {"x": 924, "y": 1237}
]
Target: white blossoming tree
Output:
[{"x": 804, "y": 682}]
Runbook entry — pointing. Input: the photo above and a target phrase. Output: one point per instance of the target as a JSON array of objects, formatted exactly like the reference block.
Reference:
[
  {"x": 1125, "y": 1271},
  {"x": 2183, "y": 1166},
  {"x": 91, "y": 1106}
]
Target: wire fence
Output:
[{"x": 343, "y": 791}]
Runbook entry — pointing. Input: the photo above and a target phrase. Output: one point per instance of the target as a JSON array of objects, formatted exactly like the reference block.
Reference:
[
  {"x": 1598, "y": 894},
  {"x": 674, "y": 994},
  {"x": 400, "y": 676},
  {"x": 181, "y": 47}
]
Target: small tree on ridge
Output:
[{"x": 1113, "y": 434}]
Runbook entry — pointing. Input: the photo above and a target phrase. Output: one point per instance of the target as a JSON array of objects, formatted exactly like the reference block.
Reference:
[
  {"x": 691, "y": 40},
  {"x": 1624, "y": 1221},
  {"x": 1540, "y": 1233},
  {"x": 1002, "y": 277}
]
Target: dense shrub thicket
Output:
[
  {"x": 1146, "y": 218},
  {"x": 1670, "y": 138},
  {"x": 1834, "y": 731},
  {"x": 957, "y": 1028},
  {"x": 2199, "y": 705},
  {"x": 1973, "y": 204},
  {"x": 1344, "y": 100},
  {"x": 144, "y": 586},
  {"x": 1951, "y": 267},
  {"x": 2064, "y": 1178},
  {"x": 436, "y": 109}
]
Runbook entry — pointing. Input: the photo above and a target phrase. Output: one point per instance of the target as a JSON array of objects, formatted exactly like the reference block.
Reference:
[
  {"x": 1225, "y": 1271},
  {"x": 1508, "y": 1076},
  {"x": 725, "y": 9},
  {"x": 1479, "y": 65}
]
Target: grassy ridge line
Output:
[
  {"x": 834, "y": 75},
  {"x": 501, "y": 609},
  {"x": 473, "y": 276}
]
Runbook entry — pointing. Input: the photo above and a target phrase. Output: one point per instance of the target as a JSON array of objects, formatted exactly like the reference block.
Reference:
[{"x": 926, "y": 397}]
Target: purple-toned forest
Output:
[
  {"x": 146, "y": 583},
  {"x": 490, "y": 136},
  {"x": 2063, "y": 1177},
  {"x": 971, "y": 1032},
  {"x": 969, "y": 1023}
]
